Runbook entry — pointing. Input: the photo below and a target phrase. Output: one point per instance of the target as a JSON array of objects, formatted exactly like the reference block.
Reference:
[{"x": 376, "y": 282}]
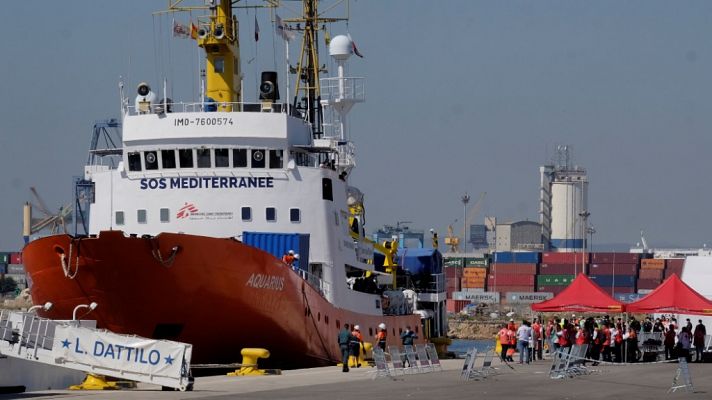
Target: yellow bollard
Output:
[
  {"x": 366, "y": 352},
  {"x": 95, "y": 382},
  {"x": 249, "y": 363}
]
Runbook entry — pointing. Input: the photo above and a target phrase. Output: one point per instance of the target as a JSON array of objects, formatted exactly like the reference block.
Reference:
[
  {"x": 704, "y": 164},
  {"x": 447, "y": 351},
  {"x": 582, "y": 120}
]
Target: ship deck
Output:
[{"x": 641, "y": 381}]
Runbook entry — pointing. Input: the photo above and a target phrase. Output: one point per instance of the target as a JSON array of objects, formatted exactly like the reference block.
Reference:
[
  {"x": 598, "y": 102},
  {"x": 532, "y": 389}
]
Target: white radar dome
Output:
[{"x": 341, "y": 47}]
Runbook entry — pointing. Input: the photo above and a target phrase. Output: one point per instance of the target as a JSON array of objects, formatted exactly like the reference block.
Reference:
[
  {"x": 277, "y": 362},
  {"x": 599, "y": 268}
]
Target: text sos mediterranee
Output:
[{"x": 213, "y": 182}]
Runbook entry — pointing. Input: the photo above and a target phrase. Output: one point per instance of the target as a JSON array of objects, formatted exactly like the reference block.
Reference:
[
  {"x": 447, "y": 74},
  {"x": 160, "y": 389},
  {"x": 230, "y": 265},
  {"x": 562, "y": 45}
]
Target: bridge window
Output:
[
  {"x": 119, "y": 218},
  {"x": 141, "y": 216},
  {"x": 258, "y": 158},
  {"x": 246, "y": 213},
  {"x": 275, "y": 158},
  {"x": 134, "y": 161},
  {"x": 185, "y": 157},
  {"x": 150, "y": 159},
  {"x": 168, "y": 158},
  {"x": 294, "y": 215},
  {"x": 222, "y": 158},
  {"x": 326, "y": 190},
  {"x": 165, "y": 215},
  {"x": 271, "y": 214},
  {"x": 239, "y": 158},
  {"x": 204, "y": 158}
]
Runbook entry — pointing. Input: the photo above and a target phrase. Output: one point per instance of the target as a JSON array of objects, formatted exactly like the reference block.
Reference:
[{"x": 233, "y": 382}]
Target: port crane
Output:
[{"x": 52, "y": 221}]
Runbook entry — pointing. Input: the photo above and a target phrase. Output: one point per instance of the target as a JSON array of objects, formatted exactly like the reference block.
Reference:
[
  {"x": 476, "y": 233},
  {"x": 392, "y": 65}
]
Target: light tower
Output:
[{"x": 465, "y": 199}]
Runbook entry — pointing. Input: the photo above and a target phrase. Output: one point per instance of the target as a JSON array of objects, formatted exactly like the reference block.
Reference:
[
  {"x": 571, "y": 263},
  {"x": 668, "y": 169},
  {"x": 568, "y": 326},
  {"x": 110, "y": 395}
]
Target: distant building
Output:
[
  {"x": 521, "y": 235},
  {"x": 478, "y": 236}
]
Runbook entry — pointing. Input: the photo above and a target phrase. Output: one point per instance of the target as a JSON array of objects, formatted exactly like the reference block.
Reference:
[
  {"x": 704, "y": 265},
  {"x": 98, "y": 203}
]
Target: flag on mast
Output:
[
  {"x": 180, "y": 30},
  {"x": 283, "y": 30},
  {"x": 193, "y": 31},
  {"x": 257, "y": 30},
  {"x": 353, "y": 46}
]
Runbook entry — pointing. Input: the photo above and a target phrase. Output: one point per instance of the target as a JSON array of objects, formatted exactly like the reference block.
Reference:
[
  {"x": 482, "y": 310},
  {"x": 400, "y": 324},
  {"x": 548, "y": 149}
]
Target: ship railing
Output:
[
  {"x": 334, "y": 90},
  {"x": 323, "y": 287},
  {"x": 436, "y": 284},
  {"x": 191, "y": 107}
]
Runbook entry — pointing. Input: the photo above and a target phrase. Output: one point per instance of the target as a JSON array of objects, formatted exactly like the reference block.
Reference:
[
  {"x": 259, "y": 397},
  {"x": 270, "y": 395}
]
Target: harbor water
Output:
[{"x": 461, "y": 346}]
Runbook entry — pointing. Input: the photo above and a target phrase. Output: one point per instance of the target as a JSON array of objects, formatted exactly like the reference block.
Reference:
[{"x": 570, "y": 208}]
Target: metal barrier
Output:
[
  {"x": 569, "y": 362},
  {"x": 412, "y": 359},
  {"x": 683, "y": 372},
  {"x": 433, "y": 355},
  {"x": 470, "y": 357},
  {"x": 470, "y": 371}
]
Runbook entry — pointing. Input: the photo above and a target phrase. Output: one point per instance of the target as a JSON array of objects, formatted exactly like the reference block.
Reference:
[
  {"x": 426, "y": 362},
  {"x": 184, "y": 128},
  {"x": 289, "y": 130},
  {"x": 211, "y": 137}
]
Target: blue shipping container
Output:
[
  {"x": 3, "y": 268},
  {"x": 516, "y": 257},
  {"x": 614, "y": 280},
  {"x": 278, "y": 244}
]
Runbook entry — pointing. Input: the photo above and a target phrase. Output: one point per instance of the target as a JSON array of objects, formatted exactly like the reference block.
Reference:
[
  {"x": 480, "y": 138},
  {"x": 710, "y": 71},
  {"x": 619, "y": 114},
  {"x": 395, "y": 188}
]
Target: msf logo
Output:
[{"x": 186, "y": 211}]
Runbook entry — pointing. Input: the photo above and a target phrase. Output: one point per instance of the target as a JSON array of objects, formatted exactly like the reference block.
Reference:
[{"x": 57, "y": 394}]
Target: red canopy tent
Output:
[
  {"x": 672, "y": 296},
  {"x": 582, "y": 295}
]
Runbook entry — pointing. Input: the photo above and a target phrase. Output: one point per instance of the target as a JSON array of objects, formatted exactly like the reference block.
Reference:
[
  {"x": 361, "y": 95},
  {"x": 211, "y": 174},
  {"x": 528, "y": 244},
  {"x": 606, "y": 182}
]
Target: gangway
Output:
[{"x": 79, "y": 346}]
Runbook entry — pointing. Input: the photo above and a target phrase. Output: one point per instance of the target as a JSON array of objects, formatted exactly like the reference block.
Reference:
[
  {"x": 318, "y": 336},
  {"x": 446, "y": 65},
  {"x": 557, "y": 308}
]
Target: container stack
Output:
[
  {"x": 473, "y": 279},
  {"x": 616, "y": 273},
  {"x": 673, "y": 266},
  {"x": 558, "y": 270},
  {"x": 651, "y": 273},
  {"x": 513, "y": 272},
  {"x": 11, "y": 267},
  {"x": 453, "y": 275}
]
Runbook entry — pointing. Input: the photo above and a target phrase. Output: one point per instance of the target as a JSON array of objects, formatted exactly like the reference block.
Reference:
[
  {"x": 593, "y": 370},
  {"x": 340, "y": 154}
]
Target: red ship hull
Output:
[{"x": 218, "y": 294}]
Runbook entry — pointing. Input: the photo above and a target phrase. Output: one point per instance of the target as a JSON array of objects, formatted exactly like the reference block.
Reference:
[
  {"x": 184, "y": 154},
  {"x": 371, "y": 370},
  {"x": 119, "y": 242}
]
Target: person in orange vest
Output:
[
  {"x": 381, "y": 336},
  {"x": 512, "y": 334},
  {"x": 631, "y": 341},
  {"x": 288, "y": 258},
  {"x": 606, "y": 349},
  {"x": 580, "y": 336},
  {"x": 618, "y": 342},
  {"x": 503, "y": 336},
  {"x": 355, "y": 344}
]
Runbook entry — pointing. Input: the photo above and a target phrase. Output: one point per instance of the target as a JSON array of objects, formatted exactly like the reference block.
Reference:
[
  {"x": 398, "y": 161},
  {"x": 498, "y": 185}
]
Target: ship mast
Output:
[
  {"x": 307, "y": 98},
  {"x": 217, "y": 34},
  {"x": 218, "y": 37}
]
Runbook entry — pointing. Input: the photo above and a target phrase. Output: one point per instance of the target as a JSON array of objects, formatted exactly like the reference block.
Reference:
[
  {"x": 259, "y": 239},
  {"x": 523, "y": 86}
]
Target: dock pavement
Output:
[{"x": 530, "y": 382}]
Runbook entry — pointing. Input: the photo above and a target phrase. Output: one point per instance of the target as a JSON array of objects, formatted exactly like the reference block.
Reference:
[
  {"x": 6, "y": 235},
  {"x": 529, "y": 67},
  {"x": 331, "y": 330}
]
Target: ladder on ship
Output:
[{"x": 78, "y": 346}]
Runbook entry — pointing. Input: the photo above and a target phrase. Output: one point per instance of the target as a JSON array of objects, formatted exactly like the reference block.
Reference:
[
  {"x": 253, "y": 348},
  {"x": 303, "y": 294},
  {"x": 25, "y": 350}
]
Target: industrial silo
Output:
[{"x": 564, "y": 204}]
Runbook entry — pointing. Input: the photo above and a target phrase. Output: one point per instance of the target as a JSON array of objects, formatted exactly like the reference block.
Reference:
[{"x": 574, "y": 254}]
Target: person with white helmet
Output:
[
  {"x": 381, "y": 336},
  {"x": 288, "y": 258},
  {"x": 356, "y": 340}
]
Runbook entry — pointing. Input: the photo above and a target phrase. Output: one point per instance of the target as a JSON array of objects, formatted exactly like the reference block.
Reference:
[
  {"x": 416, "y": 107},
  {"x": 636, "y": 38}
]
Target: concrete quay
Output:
[{"x": 638, "y": 381}]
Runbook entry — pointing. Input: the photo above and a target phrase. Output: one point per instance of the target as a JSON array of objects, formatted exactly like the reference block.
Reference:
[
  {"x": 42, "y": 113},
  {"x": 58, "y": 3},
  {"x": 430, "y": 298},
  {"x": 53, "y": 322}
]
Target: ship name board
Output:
[
  {"x": 207, "y": 182},
  {"x": 262, "y": 281}
]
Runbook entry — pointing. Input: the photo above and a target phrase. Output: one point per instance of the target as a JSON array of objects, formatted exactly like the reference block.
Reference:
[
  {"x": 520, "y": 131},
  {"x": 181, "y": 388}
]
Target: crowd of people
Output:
[
  {"x": 608, "y": 339},
  {"x": 351, "y": 342}
]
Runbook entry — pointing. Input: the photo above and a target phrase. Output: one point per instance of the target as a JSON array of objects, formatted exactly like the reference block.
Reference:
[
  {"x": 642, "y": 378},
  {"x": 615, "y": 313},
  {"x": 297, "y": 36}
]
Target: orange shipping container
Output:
[
  {"x": 472, "y": 271},
  {"x": 652, "y": 263}
]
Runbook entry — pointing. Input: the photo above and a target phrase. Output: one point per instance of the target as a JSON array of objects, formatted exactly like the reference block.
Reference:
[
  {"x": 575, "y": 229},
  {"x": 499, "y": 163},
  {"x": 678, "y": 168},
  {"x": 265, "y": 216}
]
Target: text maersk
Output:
[{"x": 213, "y": 182}]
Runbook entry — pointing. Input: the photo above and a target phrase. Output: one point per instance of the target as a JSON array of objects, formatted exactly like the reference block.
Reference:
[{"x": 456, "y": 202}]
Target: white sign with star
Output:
[{"x": 120, "y": 352}]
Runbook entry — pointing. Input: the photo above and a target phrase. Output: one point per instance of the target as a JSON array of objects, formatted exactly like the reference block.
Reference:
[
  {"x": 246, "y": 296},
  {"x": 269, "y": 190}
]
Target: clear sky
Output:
[{"x": 461, "y": 96}]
